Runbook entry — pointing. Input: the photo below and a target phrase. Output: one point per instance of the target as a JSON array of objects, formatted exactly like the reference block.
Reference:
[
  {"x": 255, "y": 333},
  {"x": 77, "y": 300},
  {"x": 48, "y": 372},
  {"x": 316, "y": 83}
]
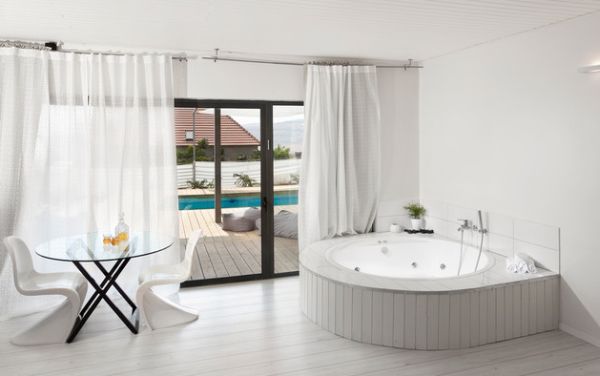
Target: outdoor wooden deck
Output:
[{"x": 222, "y": 254}]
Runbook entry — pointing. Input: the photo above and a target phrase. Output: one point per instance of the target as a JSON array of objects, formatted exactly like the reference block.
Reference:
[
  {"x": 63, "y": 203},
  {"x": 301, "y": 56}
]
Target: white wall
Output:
[
  {"x": 398, "y": 92},
  {"x": 231, "y": 80},
  {"x": 512, "y": 127}
]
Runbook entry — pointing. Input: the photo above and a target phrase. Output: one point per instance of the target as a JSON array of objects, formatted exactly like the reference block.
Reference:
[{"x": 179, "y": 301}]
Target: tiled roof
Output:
[{"x": 232, "y": 133}]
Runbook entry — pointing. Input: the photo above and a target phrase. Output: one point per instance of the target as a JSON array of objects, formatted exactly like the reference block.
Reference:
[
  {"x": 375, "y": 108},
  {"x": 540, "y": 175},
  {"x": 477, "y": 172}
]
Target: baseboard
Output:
[{"x": 579, "y": 334}]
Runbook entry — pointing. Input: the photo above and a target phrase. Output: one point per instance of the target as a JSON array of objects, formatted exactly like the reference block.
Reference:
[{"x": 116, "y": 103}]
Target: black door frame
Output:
[{"x": 266, "y": 188}]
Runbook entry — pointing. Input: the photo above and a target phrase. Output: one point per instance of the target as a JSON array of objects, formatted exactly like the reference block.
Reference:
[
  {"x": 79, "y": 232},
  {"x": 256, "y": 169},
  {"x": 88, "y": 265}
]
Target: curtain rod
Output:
[
  {"x": 26, "y": 45},
  {"x": 410, "y": 65},
  {"x": 57, "y": 46}
]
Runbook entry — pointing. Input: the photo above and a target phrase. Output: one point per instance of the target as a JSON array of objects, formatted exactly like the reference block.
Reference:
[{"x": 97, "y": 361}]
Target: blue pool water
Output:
[{"x": 193, "y": 203}]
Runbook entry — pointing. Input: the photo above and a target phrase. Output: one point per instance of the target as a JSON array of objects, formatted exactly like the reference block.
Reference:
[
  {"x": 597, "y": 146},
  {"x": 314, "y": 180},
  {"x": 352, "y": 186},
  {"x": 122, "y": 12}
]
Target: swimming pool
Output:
[{"x": 208, "y": 202}]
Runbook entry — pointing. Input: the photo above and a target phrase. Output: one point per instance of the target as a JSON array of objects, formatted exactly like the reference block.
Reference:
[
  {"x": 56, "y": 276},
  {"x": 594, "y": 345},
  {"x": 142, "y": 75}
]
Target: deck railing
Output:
[{"x": 283, "y": 171}]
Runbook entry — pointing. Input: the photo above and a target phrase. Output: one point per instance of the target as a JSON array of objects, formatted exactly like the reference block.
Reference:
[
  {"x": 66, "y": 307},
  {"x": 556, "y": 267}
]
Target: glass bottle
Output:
[{"x": 122, "y": 232}]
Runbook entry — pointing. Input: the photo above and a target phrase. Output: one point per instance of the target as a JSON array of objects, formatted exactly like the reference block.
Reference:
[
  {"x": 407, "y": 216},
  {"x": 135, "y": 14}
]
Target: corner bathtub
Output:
[{"x": 419, "y": 292}]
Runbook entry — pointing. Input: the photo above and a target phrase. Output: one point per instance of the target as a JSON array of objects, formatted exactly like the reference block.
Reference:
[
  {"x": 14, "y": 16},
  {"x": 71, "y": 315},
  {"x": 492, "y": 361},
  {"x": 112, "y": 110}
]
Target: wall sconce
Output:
[
  {"x": 189, "y": 135},
  {"x": 590, "y": 69}
]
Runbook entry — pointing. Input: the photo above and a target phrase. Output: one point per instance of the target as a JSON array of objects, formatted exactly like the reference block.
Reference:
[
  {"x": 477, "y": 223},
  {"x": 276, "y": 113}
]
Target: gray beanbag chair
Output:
[
  {"x": 237, "y": 223},
  {"x": 285, "y": 224},
  {"x": 252, "y": 214},
  {"x": 241, "y": 223}
]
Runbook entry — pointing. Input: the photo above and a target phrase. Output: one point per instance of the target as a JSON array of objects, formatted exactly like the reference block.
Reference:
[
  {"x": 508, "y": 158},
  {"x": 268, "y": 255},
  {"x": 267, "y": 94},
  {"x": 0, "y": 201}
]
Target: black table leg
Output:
[
  {"x": 116, "y": 286},
  {"x": 95, "y": 295},
  {"x": 110, "y": 280}
]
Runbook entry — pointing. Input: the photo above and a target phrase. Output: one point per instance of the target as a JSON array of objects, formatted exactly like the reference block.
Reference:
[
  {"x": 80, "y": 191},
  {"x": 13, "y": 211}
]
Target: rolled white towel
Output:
[
  {"x": 525, "y": 264},
  {"x": 511, "y": 267}
]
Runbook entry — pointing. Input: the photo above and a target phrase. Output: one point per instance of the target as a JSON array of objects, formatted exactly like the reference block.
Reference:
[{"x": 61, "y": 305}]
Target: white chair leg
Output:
[
  {"x": 160, "y": 312},
  {"x": 82, "y": 292},
  {"x": 54, "y": 327}
]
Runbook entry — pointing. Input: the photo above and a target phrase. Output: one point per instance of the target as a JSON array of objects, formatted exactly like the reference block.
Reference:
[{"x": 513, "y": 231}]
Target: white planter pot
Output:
[
  {"x": 416, "y": 224},
  {"x": 394, "y": 227}
]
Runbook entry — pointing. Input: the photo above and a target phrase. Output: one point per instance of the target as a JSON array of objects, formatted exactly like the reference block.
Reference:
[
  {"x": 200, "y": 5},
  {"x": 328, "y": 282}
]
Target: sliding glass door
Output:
[{"x": 238, "y": 188}]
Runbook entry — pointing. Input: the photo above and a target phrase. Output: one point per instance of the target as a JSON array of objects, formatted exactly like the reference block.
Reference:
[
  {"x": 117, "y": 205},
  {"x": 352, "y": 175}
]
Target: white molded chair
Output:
[
  {"x": 57, "y": 324},
  {"x": 159, "y": 312}
]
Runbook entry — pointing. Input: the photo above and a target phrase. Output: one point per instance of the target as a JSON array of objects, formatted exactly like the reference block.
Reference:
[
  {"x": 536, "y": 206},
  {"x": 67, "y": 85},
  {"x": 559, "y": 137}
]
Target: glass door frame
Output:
[{"x": 266, "y": 187}]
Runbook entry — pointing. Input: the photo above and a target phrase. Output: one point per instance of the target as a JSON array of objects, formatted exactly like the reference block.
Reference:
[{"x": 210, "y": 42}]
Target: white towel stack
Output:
[{"x": 520, "y": 263}]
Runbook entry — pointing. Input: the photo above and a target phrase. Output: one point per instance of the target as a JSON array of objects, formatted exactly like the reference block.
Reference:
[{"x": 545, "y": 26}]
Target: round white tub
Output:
[
  {"x": 419, "y": 292},
  {"x": 408, "y": 257}
]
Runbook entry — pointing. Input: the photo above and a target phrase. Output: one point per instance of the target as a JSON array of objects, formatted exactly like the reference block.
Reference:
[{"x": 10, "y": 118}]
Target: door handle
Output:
[{"x": 264, "y": 202}]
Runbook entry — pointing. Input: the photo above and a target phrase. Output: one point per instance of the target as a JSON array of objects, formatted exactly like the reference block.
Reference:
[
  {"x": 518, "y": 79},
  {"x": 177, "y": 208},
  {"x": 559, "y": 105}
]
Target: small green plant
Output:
[
  {"x": 194, "y": 184},
  {"x": 202, "y": 143},
  {"x": 244, "y": 180},
  {"x": 255, "y": 155},
  {"x": 202, "y": 150},
  {"x": 415, "y": 210},
  {"x": 281, "y": 152},
  {"x": 202, "y": 184},
  {"x": 184, "y": 155}
]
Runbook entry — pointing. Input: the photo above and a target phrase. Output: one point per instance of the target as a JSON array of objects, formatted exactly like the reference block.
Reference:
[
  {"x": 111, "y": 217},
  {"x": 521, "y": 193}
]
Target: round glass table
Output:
[{"x": 89, "y": 248}]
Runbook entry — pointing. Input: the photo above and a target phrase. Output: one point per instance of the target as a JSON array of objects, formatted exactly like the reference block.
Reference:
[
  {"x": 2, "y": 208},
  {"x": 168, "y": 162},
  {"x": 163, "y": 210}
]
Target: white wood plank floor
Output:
[{"x": 256, "y": 328}]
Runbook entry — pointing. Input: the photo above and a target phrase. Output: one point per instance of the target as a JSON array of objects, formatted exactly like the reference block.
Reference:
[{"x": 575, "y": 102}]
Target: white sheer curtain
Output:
[
  {"x": 90, "y": 136},
  {"x": 23, "y": 91},
  {"x": 339, "y": 181}
]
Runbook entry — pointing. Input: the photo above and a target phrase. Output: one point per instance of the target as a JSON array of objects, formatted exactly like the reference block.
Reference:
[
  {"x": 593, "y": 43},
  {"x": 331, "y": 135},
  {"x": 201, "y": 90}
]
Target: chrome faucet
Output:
[{"x": 465, "y": 225}]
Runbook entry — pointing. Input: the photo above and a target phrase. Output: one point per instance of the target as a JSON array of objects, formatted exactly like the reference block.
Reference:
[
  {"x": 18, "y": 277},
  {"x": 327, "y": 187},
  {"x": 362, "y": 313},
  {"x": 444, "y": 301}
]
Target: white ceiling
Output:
[{"x": 376, "y": 29}]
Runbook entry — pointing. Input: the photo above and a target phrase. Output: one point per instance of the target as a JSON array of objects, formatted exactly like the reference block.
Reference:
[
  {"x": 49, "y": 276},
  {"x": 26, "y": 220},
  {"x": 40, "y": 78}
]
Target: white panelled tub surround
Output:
[{"x": 407, "y": 291}]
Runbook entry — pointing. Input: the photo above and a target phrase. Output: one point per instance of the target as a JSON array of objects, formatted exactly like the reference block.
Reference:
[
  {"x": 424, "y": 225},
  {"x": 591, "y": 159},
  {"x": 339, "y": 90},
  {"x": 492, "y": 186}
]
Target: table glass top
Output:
[{"x": 89, "y": 247}]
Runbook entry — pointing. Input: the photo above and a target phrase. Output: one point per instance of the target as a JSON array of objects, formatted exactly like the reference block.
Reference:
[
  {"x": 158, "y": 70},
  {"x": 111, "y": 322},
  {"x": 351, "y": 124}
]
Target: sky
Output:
[
  {"x": 288, "y": 124},
  {"x": 288, "y": 133}
]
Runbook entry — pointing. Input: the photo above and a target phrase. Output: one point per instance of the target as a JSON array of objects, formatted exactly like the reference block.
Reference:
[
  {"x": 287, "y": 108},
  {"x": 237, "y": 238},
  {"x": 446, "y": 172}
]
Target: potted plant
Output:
[{"x": 416, "y": 212}]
